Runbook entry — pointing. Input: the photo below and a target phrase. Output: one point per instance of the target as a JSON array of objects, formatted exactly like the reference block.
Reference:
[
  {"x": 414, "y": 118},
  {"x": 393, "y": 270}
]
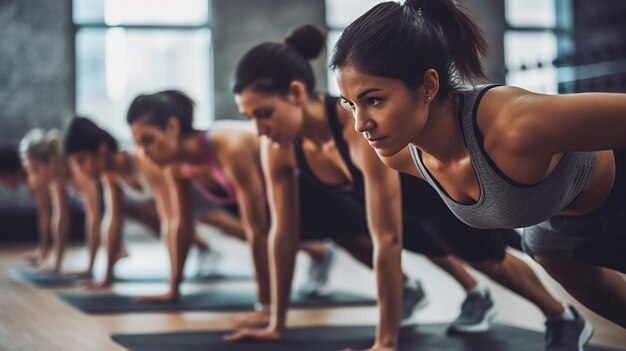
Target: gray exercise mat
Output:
[
  {"x": 427, "y": 337},
  {"x": 217, "y": 276},
  {"x": 213, "y": 300},
  {"x": 45, "y": 279}
]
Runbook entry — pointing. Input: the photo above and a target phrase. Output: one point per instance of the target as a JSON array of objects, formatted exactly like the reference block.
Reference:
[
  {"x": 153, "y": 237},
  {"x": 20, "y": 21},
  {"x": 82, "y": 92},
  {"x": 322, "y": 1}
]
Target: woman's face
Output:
[
  {"x": 37, "y": 172},
  {"x": 277, "y": 117},
  {"x": 84, "y": 165},
  {"x": 160, "y": 146},
  {"x": 386, "y": 112}
]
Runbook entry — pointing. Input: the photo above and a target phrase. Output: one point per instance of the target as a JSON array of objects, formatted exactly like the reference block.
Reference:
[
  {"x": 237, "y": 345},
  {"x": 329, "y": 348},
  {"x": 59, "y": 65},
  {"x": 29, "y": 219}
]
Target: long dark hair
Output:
[
  {"x": 403, "y": 41},
  {"x": 271, "y": 67},
  {"x": 156, "y": 109},
  {"x": 82, "y": 134}
]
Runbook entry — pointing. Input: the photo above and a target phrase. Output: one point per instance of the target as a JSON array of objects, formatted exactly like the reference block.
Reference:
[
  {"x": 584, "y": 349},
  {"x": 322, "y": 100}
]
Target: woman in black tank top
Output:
[{"x": 400, "y": 72}]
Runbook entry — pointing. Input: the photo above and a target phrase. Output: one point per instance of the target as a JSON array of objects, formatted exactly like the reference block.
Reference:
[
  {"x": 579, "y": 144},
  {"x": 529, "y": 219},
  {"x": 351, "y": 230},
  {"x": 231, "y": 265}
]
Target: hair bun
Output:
[{"x": 308, "y": 41}]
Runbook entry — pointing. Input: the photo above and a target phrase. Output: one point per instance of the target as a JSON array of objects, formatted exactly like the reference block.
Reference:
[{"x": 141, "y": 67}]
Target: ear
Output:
[
  {"x": 430, "y": 85},
  {"x": 173, "y": 126},
  {"x": 297, "y": 92}
]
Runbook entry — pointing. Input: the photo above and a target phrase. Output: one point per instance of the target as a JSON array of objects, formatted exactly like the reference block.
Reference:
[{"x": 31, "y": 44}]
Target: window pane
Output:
[
  {"x": 531, "y": 13},
  {"x": 340, "y": 13},
  {"x": 535, "y": 51},
  {"x": 121, "y": 12},
  {"x": 115, "y": 65}
]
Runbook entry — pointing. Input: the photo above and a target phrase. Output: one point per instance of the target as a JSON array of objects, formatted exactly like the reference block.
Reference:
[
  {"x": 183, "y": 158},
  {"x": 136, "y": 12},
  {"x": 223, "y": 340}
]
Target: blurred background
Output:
[{"x": 92, "y": 57}]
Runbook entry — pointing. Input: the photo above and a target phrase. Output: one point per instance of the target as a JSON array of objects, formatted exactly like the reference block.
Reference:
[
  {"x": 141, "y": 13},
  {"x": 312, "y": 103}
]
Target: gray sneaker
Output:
[
  {"x": 477, "y": 312},
  {"x": 318, "y": 272},
  {"x": 413, "y": 298},
  {"x": 564, "y": 335}
]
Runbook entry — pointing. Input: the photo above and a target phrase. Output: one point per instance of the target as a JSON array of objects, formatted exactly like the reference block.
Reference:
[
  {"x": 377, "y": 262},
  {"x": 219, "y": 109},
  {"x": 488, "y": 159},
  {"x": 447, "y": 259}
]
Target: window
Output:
[
  {"x": 128, "y": 47},
  {"x": 538, "y": 34},
  {"x": 339, "y": 14}
]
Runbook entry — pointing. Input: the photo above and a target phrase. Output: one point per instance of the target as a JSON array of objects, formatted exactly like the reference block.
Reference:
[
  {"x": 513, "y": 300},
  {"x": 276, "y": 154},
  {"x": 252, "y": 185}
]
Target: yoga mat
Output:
[
  {"x": 427, "y": 337},
  {"x": 213, "y": 300},
  {"x": 45, "y": 279},
  {"x": 205, "y": 277}
]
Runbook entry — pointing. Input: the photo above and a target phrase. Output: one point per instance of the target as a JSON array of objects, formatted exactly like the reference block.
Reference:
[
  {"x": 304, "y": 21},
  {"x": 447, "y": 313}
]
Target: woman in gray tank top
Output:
[{"x": 500, "y": 157}]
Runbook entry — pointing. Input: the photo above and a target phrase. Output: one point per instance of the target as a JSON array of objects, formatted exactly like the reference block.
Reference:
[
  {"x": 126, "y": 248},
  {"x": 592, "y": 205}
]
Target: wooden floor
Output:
[{"x": 34, "y": 319}]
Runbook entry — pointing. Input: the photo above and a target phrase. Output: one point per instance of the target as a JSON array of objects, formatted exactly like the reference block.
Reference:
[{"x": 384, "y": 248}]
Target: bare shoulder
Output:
[
  {"x": 507, "y": 120},
  {"x": 234, "y": 138}
]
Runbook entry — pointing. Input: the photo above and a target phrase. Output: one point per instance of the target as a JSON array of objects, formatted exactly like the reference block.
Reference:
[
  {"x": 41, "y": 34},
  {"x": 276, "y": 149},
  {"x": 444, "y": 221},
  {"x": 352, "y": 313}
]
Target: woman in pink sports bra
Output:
[
  {"x": 125, "y": 183},
  {"x": 223, "y": 165}
]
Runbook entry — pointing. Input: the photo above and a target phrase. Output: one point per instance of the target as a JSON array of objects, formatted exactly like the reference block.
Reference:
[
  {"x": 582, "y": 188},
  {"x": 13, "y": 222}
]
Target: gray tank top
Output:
[{"x": 503, "y": 202}]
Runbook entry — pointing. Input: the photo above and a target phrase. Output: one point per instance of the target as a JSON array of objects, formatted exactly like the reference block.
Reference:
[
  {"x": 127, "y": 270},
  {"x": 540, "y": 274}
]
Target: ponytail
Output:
[{"x": 403, "y": 41}]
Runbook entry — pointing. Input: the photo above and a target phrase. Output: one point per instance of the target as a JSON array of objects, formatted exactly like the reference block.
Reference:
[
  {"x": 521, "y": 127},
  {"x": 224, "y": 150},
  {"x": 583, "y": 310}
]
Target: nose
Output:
[
  {"x": 260, "y": 128},
  {"x": 362, "y": 123}
]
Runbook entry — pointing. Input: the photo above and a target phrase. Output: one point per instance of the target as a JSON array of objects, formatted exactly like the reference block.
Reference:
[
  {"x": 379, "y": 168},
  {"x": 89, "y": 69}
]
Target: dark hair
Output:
[
  {"x": 404, "y": 41},
  {"x": 84, "y": 135},
  {"x": 271, "y": 67},
  {"x": 156, "y": 109},
  {"x": 9, "y": 159}
]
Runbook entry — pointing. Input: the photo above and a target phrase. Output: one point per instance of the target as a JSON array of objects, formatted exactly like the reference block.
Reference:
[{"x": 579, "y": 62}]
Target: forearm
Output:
[
  {"x": 389, "y": 281},
  {"x": 178, "y": 243},
  {"x": 112, "y": 228},
  {"x": 258, "y": 246},
  {"x": 60, "y": 228},
  {"x": 282, "y": 251},
  {"x": 93, "y": 240},
  {"x": 43, "y": 226}
]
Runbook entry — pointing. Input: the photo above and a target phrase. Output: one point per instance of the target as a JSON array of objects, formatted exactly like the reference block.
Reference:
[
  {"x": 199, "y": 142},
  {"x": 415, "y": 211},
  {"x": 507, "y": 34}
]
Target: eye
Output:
[
  {"x": 349, "y": 103},
  {"x": 373, "y": 102},
  {"x": 264, "y": 113}
]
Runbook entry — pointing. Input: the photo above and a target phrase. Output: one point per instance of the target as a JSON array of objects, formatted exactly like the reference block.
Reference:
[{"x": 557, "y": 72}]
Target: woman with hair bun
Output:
[
  {"x": 499, "y": 156},
  {"x": 223, "y": 166},
  {"x": 310, "y": 134}
]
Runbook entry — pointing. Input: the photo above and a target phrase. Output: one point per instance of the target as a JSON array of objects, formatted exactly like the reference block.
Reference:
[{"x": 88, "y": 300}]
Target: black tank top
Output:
[{"x": 418, "y": 198}]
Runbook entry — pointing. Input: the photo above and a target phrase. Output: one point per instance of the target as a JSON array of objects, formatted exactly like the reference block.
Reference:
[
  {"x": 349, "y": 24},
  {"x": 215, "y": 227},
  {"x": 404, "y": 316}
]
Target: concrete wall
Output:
[
  {"x": 36, "y": 69},
  {"x": 239, "y": 25},
  {"x": 489, "y": 14}
]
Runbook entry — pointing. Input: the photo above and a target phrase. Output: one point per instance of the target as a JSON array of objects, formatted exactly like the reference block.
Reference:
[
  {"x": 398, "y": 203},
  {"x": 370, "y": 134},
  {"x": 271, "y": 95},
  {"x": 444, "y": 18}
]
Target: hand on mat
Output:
[
  {"x": 251, "y": 320},
  {"x": 374, "y": 348},
  {"x": 47, "y": 268},
  {"x": 253, "y": 334},
  {"x": 78, "y": 275},
  {"x": 164, "y": 298},
  {"x": 33, "y": 259},
  {"x": 98, "y": 285}
]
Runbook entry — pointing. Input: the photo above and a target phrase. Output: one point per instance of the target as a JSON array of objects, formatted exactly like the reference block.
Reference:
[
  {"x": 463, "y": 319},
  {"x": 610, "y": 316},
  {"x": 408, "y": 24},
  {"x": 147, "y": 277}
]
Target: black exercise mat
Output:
[
  {"x": 45, "y": 279},
  {"x": 431, "y": 337},
  {"x": 214, "y": 300},
  {"x": 210, "y": 277}
]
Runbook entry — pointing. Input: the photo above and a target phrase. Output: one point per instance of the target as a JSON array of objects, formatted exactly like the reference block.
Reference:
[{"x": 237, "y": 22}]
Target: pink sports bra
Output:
[{"x": 229, "y": 198}]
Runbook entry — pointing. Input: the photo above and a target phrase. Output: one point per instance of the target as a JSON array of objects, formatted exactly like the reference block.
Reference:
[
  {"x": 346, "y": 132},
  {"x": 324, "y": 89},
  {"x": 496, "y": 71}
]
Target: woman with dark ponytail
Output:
[
  {"x": 308, "y": 134},
  {"x": 500, "y": 157}
]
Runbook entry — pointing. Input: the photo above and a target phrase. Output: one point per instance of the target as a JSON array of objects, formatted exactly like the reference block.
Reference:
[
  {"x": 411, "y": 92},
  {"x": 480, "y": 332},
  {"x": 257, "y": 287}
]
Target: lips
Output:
[{"x": 376, "y": 141}]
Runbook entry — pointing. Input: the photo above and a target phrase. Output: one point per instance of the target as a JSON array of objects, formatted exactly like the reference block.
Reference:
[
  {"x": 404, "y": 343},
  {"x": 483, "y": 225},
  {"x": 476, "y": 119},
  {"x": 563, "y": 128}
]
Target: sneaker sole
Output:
[
  {"x": 585, "y": 336},
  {"x": 481, "y": 327}
]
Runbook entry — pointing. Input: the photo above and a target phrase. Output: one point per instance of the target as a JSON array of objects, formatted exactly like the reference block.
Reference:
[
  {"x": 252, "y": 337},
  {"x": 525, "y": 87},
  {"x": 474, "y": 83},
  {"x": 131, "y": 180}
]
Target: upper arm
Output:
[
  {"x": 548, "y": 124},
  {"x": 179, "y": 193},
  {"x": 112, "y": 195},
  {"x": 279, "y": 171},
  {"x": 245, "y": 171},
  {"x": 58, "y": 195},
  {"x": 383, "y": 196}
]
